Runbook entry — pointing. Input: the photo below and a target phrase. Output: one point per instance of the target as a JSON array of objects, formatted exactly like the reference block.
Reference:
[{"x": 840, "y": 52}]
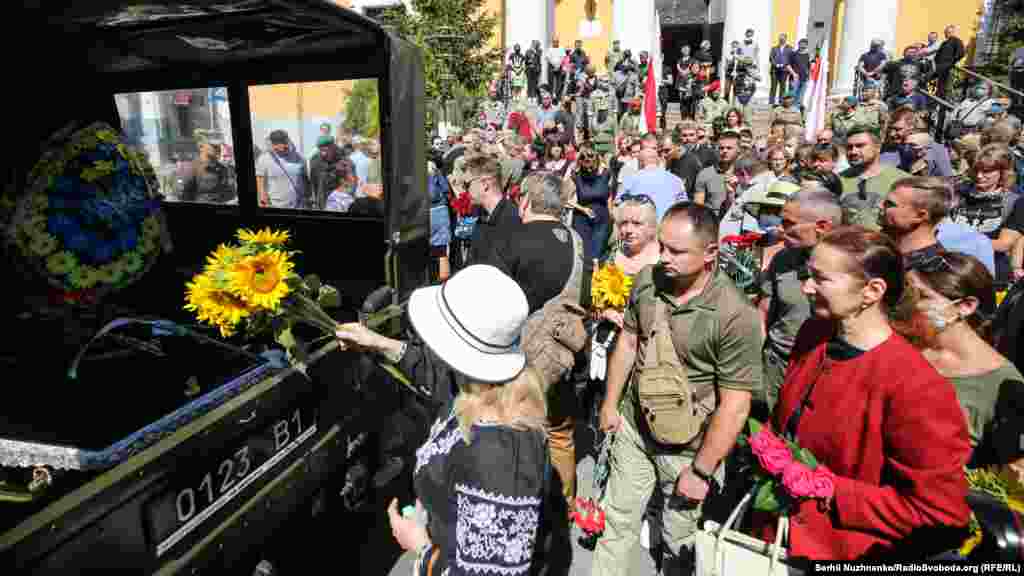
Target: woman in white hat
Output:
[{"x": 483, "y": 475}]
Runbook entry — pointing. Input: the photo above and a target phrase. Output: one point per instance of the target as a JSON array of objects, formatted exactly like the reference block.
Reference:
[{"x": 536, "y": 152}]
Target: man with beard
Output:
[
  {"x": 281, "y": 177},
  {"x": 323, "y": 176},
  {"x": 897, "y": 149},
  {"x": 693, "y": 158},
  {"x": 807, "y": 216},
  {"x": 533, "y": 66},
  {"x": 715, "y": 346},
  {"x": 911, "y": 215},
  {"x": 867, "y": 182},
  {"x": 715, "y": 186}
]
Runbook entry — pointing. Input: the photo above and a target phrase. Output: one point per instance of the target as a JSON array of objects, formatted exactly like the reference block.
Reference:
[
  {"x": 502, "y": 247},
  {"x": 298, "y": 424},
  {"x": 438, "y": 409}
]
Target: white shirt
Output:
[{"x": 555, "y": 56}]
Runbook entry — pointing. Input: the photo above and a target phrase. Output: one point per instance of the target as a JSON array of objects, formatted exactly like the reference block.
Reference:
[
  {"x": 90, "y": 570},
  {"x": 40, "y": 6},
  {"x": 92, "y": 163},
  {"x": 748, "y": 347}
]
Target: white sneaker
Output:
[{"x": 645, "y": 535}]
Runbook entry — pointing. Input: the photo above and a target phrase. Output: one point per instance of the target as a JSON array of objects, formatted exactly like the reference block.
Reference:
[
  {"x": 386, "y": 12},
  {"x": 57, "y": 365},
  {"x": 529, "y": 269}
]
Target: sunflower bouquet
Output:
[
  {"x": 252, "y": 285},
  {"x": 610, "y": 288}
]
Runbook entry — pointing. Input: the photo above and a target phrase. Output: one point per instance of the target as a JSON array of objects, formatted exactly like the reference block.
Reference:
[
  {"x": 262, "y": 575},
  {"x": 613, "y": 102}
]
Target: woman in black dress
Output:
[{"x": 483, "y": 477}]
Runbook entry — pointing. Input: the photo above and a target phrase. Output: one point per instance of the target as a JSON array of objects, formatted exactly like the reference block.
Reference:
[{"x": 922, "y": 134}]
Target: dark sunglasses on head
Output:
[
  {"x": 638, "y": 198},
  {"x": 932, "y": 264}
]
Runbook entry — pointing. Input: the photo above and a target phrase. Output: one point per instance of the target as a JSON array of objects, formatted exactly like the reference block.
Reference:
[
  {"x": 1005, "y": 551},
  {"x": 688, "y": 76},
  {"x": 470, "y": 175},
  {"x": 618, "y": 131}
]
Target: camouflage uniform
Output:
[
  {"x": 710, "y": 108},
  {"x": 786, "y": 116},
  {"x": 603, "y": 133},
  {"x": 874, "y": 113},
  {"x": 840, "y": 123},
  {"x": 632, "y": 125}
]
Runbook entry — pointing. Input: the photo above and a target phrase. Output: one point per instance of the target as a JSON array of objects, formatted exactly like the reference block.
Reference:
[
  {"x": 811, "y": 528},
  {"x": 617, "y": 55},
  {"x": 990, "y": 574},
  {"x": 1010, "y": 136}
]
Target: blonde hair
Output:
[{"x": 520, "y": 403}]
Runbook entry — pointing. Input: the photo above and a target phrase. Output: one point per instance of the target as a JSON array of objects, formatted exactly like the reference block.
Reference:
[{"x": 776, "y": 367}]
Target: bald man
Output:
[{"x": 653, "y": 181}]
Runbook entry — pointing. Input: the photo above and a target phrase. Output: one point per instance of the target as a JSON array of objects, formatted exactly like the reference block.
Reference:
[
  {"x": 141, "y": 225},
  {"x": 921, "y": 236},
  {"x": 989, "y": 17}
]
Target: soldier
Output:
[
  {"x": 632, "y": 123},
  {"x": 786, "y": 112},
  {"x": 603, "y": 125},
  {"x": 711, "y": 107},
  {"x": 843, "y": 118},
  {"x": 873, "y": 111},
  {"x": 686, "y": 71},
  {"x": 614, "y": 56}
]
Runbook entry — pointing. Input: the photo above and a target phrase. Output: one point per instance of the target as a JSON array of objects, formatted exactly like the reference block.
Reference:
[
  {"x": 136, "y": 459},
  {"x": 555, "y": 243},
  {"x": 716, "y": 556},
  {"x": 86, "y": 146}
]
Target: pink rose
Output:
[
  {"x": 776, "y": 459},
  {"x": 764, "y": 441},
  {"x": 824, "y": 483},
  {"x": 798, "y": 480}
]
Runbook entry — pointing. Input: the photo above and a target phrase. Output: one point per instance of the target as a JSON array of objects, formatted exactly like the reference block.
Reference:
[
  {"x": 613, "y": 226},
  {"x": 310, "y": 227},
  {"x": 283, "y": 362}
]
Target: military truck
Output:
[{"x": 171, "y": 449}]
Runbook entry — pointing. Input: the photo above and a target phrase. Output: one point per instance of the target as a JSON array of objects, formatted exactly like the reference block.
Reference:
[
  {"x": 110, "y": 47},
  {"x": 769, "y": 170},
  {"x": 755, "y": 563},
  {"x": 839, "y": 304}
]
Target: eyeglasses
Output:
[
  {"x": 931, "y": 264},
  {"x": 636, "y": 198}
]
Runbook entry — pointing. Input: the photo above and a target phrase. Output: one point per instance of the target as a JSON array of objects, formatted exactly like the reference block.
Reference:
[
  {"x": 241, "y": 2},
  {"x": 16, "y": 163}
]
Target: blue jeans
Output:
[{"x": 801, "y": 85}]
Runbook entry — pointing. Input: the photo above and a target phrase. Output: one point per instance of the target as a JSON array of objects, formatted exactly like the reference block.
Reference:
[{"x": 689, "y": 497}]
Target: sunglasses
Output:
[
  {"x": 933, "y": 264},
  {"x": 637, "y": 198}
]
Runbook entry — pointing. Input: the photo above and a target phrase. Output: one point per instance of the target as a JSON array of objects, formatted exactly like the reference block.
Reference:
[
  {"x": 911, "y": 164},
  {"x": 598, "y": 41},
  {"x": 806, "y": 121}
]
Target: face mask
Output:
[
  {"x": 769, "y": 221},
  {"x": 936, "y": 315}
]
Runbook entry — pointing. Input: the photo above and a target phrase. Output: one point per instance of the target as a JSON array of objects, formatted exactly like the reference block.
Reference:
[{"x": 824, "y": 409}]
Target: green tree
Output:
[
  {"x": 474, "y": 61},
  {"x": 362, "y": 109},
  {"x": 1010, "y": 35}
]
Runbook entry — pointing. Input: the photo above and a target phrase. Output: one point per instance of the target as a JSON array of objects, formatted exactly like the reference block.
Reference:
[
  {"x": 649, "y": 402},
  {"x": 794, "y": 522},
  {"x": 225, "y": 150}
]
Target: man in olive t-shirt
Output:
[
  {"x": 716, "y": 334},
  {"x": 867, "y": 182}
]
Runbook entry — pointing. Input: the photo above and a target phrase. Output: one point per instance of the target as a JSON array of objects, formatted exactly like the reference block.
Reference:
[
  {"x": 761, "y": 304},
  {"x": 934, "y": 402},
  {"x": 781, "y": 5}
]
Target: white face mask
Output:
[{"x": 936, "y": 315}]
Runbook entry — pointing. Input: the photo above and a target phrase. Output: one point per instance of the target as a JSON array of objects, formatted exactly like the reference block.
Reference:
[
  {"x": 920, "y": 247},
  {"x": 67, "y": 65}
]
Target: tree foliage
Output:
[
  {"x": 474, "y": 61},
  {"x": 362, "y": 108},
  {"x": 1011, "y": 32}
]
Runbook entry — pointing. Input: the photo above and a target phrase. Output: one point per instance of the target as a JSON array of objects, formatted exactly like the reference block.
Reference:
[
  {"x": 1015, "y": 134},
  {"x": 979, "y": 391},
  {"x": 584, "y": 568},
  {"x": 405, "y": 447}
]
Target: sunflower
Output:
[
  {"x": 84, "y": 277},
  {"x": 611, "y": 287},
  {"x": 61, "y": 263},
  {"x": 265, "y": 236},
  {"x": 224, "y": 255},
  {"x": 260, "y": 279},
  {"x": 133, "y": 262},
  {"x": 112, "y": 273},
  {"x": 43, "y": 244}
]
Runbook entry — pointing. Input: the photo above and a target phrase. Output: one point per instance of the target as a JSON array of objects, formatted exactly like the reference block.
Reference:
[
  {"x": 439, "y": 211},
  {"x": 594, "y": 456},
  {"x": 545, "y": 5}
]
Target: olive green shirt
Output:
[
  {"x": 717, "y": 334},
  {"x": 864, "y": 206},
  {"x": 978, "y": 395}
]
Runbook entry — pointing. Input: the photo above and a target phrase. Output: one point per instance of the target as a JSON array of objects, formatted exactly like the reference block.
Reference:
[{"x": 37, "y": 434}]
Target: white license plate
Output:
[{"x": 194, "y": 497}]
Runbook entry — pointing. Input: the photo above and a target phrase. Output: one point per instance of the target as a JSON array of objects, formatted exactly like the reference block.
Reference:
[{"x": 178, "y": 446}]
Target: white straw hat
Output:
[{"x": 473, "y": 322}]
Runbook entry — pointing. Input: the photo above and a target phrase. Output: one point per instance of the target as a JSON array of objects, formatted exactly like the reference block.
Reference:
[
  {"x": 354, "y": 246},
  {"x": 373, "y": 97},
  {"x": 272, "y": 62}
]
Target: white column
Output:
[
  {"x": 803, "y": 24},
  {"x": 526, "y": 21},
  {"x": 631, "y": 24},
  {"x": 863, "y": 21},
  {"x": 741, "y": 15}
]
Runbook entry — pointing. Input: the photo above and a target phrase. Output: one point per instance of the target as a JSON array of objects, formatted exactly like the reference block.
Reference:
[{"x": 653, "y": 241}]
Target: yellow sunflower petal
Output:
[
  {"x": 265, "y": 236},
  {"x": 260, "y": 280}
]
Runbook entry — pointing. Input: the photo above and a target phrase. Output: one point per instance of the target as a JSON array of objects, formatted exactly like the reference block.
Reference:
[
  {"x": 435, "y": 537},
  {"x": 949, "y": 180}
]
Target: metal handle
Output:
[{"x": 250, "y": 418}]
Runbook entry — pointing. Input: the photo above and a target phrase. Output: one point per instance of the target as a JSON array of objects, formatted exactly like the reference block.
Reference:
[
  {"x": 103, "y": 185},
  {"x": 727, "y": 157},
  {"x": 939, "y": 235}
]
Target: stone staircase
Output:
[{"x": 761, "y": 117}]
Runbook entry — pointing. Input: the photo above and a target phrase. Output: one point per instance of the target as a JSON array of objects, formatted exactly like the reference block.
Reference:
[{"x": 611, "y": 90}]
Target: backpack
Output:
[{"x": 554, "y": 334}]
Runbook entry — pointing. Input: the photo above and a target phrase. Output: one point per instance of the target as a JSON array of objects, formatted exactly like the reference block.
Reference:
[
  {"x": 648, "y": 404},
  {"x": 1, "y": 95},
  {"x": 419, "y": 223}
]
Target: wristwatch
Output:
[{"x": 708, "y": 478}]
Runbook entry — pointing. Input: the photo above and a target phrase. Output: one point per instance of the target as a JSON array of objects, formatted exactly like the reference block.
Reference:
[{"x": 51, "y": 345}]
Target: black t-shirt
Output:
[
  {"x": 538, "y": 256},
  {"x": 872, "y": 59},
  {"x": 505, "y": 216},
  {"x": 801, "y": 63}
]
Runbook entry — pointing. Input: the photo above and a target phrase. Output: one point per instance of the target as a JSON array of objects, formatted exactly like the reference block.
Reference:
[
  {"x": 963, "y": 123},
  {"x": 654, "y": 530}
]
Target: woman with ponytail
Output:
[
  {"x": 873, "y": 411},
  {"x": 955, "y": 295}
]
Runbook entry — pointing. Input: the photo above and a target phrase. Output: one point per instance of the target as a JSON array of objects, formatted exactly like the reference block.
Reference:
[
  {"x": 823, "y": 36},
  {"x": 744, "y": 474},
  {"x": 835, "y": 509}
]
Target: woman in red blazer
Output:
[{"x": 868, "y": 405}]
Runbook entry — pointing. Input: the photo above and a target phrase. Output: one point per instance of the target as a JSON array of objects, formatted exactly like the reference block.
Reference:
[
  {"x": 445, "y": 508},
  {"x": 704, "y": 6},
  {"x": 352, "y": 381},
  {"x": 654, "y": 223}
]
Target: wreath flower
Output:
[{"x": 89, "y": 219}]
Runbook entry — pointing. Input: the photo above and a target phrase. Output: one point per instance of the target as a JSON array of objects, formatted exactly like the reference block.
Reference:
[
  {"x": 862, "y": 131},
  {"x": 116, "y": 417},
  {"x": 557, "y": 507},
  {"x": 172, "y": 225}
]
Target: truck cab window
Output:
[
  {"x": 187, "y": 136},
  {"x": 317, "y": 146}
]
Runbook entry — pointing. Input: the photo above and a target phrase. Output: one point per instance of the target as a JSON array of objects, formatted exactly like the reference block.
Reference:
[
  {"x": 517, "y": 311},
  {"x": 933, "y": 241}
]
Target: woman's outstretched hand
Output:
[
  {"x": 409, "y": 534},
  {"x": 355, "y": 336}
]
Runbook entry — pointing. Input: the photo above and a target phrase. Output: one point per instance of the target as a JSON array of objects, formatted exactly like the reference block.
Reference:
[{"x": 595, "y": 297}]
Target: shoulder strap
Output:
[{"x": 295, "y": 188}]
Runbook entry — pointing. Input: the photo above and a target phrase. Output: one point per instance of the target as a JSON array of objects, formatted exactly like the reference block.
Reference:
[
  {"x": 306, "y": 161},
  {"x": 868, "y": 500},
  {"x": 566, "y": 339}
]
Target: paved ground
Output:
[{"x": 642, "y": 564}]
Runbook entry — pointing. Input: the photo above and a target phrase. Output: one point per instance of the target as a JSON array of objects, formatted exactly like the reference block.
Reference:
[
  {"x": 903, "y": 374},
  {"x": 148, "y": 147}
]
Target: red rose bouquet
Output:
[{"x": 785, "y": 474}]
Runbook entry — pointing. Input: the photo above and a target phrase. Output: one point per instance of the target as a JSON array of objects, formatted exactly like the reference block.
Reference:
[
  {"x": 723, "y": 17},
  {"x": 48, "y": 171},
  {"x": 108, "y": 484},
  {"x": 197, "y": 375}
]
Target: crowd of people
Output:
[{"x": 879, "y": 257}]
